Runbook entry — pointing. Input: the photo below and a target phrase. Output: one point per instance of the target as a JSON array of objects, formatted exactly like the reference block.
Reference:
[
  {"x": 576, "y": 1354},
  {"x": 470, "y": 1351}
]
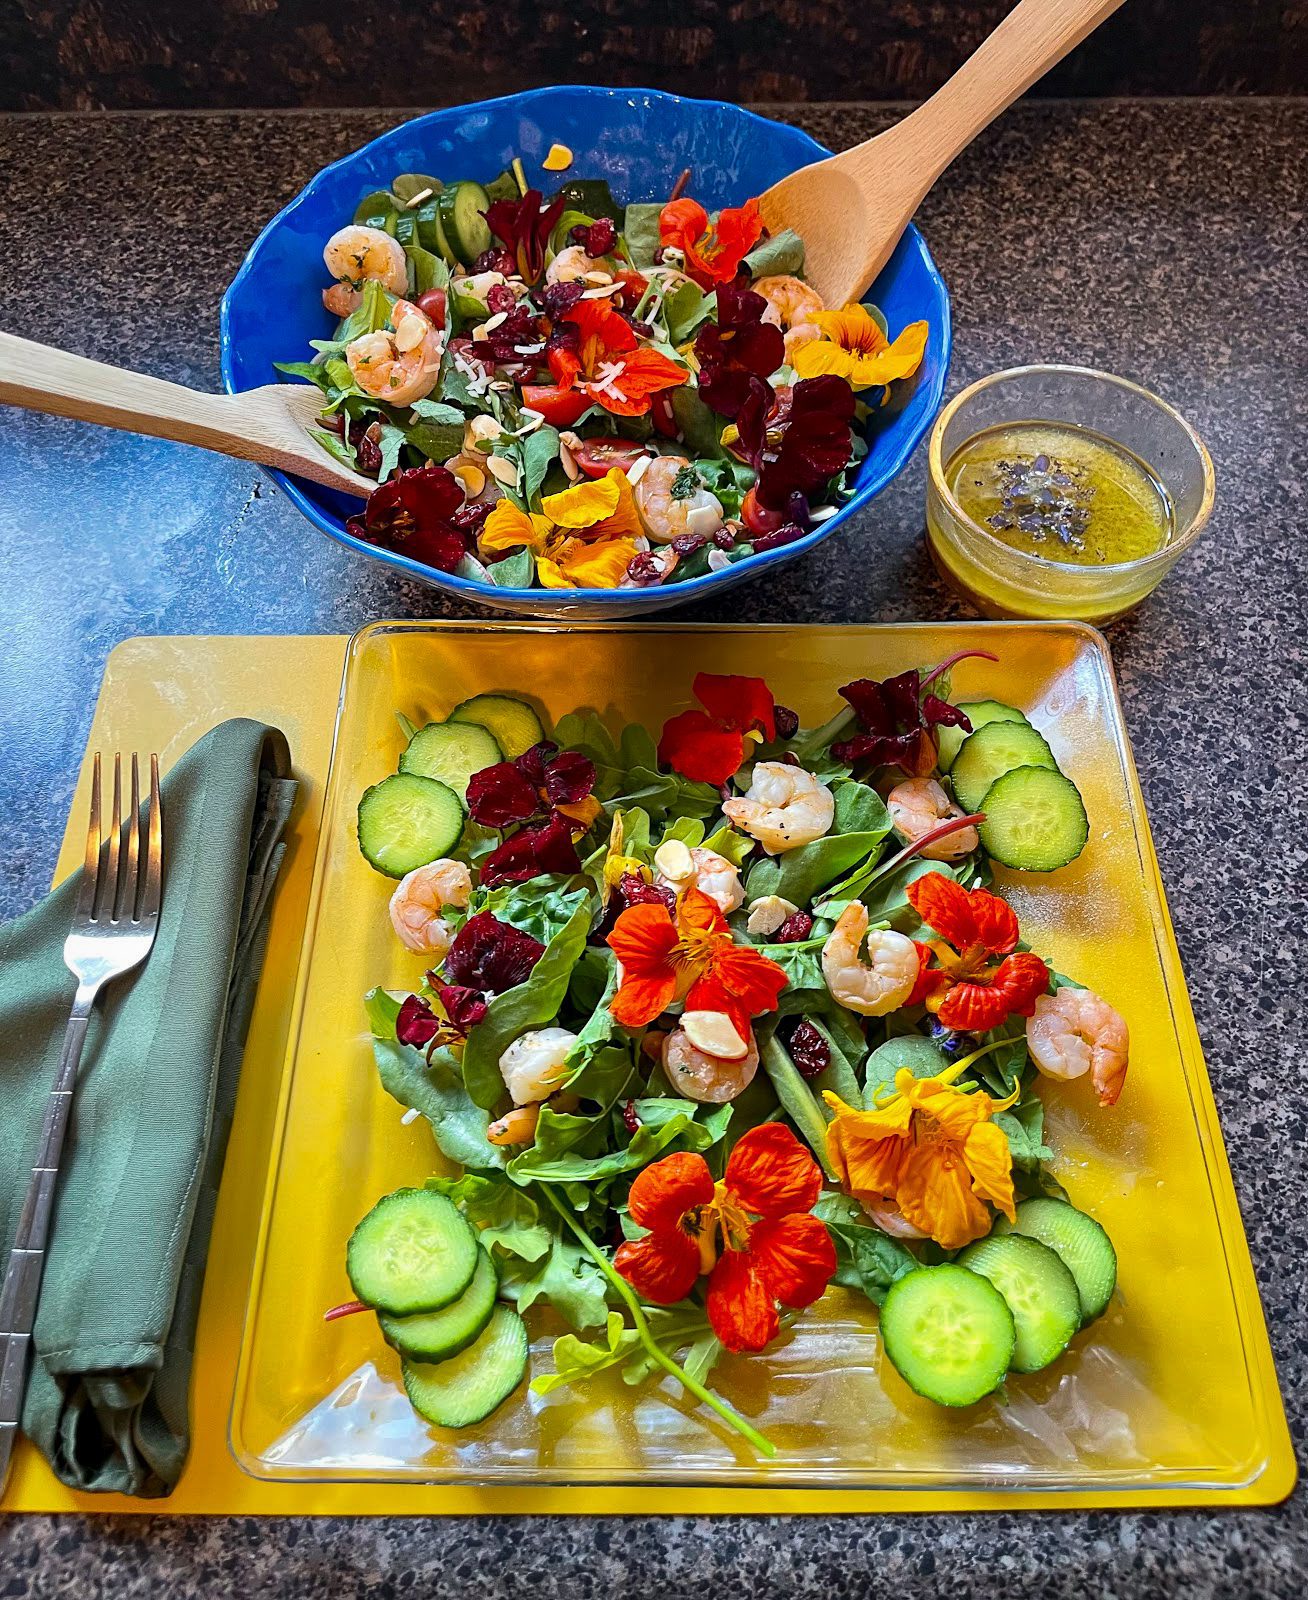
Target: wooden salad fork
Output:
[
  {"x": 851, "y": 209},
  {"x": 114, "y": 924},
  {"x": 266, "y": 425}
]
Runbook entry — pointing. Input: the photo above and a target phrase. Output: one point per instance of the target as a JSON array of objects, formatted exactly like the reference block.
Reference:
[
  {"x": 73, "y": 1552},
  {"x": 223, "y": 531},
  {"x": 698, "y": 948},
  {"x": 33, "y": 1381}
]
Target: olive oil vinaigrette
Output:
[{"x": 1061, "y": 492}]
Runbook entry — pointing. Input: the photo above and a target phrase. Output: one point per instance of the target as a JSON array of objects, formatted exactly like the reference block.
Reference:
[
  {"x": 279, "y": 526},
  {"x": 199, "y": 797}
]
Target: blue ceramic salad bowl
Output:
[{"x": 639, "y": 140}]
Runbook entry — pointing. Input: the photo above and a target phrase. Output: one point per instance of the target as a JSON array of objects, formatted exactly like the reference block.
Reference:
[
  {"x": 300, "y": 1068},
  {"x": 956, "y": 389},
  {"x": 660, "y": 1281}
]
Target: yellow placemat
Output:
[{"x": 162, "y": 694}]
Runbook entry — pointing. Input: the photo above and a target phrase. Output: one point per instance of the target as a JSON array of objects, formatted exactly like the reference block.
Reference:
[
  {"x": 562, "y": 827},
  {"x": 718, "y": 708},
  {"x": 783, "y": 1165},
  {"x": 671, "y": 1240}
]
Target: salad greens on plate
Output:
[
  {"x": 719, "y": 1022},
  {"x": 574, "y": 393}
]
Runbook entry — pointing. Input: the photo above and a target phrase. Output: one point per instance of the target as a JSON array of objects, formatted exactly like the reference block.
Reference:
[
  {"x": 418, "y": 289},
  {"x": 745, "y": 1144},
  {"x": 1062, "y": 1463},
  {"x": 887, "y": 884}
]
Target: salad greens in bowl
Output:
[{"x": 586, "y": 378}]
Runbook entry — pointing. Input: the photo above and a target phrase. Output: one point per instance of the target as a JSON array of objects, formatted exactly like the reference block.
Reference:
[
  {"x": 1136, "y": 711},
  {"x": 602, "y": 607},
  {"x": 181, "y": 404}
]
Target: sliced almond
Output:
[
  {"x": 410, "y": 334},
  {"x": 715, "y": 1034},
  {"x": 491, "y": 323},
  {"x": 473, "y": 480},
  {"x": 768, "y": 913},
  {"x": 417, "y": 200},
  {"x": 479, "y": 334},
  {"x": 568, "y": 462},
  {"x": 502, "y": 471},
  {"x": 674, "y": 861},
  {"x": 597, "y": 275},
  {"x": 637, "y": 470}
]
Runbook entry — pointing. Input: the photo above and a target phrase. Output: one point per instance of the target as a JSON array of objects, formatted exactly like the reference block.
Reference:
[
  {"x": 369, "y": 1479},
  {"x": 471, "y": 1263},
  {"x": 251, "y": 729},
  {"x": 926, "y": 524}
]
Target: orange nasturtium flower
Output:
[
  {"x": 854, "y": 347},
  {"x": 752, "y": 1234},
  {"x": 582, "y": 538},
  {"x": 713, "y": 252},
  {"x": 690, "y": 957},
  {"x": 933, "y": 1150},
  {"x": 980, "y": 979},
  {"x": 609, "y": 363}
]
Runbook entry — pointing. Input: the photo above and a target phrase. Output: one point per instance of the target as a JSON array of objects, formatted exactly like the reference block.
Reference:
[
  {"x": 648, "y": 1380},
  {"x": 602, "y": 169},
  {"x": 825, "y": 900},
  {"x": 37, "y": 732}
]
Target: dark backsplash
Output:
[{"x": 142, "y": 54}]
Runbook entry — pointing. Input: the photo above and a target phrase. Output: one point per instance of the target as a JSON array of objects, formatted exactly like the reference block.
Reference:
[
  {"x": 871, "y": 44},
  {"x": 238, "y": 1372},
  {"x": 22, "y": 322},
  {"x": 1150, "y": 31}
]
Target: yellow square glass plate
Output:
[{"x": 1173, "y": 1391}]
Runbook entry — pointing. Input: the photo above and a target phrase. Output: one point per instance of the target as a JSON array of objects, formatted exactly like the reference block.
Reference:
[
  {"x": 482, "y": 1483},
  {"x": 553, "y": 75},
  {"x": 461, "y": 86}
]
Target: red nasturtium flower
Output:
[
  {"x": 689, "y": 955},
  {"x": 410, "y": 513},
  {"x": 796, "y": 439},
  {"x": 708, "y": 746},
  {"x": 736, "y": 350},
  {"x": 607, "y": 362},
  {"x": 896, "y": 717},
  {"x": 752, "y": 1234},
  {"x": 549, "y": 792},
  {"x": 525, "y": 229},
  {"x": 713, "y": 252},
  {"x": 981, "y": 978}
]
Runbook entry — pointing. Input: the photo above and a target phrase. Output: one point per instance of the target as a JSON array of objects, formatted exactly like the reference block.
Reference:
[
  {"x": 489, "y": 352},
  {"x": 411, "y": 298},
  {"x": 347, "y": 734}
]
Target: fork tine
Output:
[
  {"x": 154, "y": 857},
  {"x": 91, "y": 862},
  {"x": 108, "y": 884},
  {"x": 125, "y": 900}
]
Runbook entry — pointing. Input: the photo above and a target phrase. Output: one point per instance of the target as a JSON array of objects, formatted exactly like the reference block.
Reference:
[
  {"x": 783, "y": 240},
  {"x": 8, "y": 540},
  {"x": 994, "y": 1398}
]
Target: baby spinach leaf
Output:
[
  {"x": 532, "y": 1004},
  {"x": 393, "y": 440},
  {"x": 541, "y": 907},
  {"x": 429, "y": 271},
  {"x": 311, "y": 371},
  {"x": 730, "y": 845},
  {"x": 377, "y": 210},
  {"x": 663, "y": 1122},
  {"x": 435, "y": 1089},
  {"x": 1024, "y": 1128},
  {"x": 781, "y": 254},
  {"x": 866, "y": 1258},
  {"x": 515, "y": 571},
  {"x": 700, "y": 427},
  {"x": 908, "y": 1053},
  {"x": 382, "y": 1007},
  {"x": 686, "y": 309},
  {"x": 640, "y": 229}
]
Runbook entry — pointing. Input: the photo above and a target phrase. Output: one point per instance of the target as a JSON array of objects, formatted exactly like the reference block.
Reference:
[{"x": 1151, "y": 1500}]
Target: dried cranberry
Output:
[
  {"x": 725, "y": 539},
  {"x": 643, "y": 569},
  {"x": 798, "y": 925},
  {"x": 599, "y": 239},
  {"x": 496, "y": 259},
  {"x": 471, "y": 517},
  {"x": 634, "y": 891},
  {"x": 786, "y": 722},
  {"x": 556, "y": 298},
  {"x": 787, "y": 533},
  {"x": 808, "y": 1050},
  {"x": 788, "y": 758},
  {"x": 629, "y": 1118},
  {"x": 366, "y": 439},
  {"x": 333, "y": 424},
  {"x": 686, "y": 544},
  {"x": 499, "y": 297}
]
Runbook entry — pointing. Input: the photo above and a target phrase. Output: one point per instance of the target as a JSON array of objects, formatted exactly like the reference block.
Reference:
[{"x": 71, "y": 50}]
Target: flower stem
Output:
[{"x": 655, "y": 1350}]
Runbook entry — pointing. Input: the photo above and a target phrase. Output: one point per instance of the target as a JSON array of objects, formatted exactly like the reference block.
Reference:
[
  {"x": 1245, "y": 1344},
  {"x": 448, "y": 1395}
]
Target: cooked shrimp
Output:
[
  {"x": 420, "y": 898},
  {"x": 783, "y": 807},
  {"x": 890, "y": 1219},
  {"x": 672, "y": 501},
  {"x": 700, "y": 1076},
  {"x": 791, "y": 307},
  {"x": 519, "y": 1125},
  {"x": 573, "y": 263},
  {"x": 921, "y": 804},
  {"x": 533, "y": 1065},
  {"x": 353, "y": 256},
  {"x": 402, "y": 366},
  {"x": 678, "y": 868},
  {"x": 1074, "y": 1032},
  {"x": 871, "y": 973}
]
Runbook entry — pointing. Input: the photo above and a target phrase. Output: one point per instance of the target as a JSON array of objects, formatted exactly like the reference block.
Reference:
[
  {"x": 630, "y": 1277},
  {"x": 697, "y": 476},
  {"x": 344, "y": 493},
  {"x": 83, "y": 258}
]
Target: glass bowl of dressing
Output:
[{"x": 1062, "y": 492}]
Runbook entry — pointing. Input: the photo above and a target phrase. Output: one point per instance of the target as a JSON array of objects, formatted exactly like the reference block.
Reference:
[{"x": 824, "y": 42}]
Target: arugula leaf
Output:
[
  {"x": 568, "y": 1278},
  {"x": 542, "y": 906},
  {"x": 575, "y": 1360},
  {"x": 533, "y": 455},
  {"x": 640, "y": 229},
  {"x": 529, "y": 1005},
  {"x": 783, "y": 253},
  {"x": 663, "y": 1122},
  {"x": 686, "y": 309},
  {"x": 312, "y": 371},
  {"x": 886, "y": 898},
  {"x": 393, "y": 440},
  {"x": 371, "y": 314},
  {"x": 335, "y": 446},
  {"x": 729, "y": 481},
  {"x": 859, "y": 830},
  {"x": 435, "y": 1089},
  {"x": 506, "y": 1215}
]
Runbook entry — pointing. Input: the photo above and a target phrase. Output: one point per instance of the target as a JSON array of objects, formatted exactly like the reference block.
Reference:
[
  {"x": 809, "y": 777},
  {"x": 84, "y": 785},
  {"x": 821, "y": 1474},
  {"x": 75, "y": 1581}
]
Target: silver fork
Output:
[{"x": 114, "y": 925}]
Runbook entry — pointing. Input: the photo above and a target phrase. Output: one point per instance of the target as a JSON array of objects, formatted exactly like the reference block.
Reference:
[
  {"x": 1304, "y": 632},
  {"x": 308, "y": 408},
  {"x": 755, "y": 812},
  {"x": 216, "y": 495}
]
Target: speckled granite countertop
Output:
[{"x": 1162, "y": 240}]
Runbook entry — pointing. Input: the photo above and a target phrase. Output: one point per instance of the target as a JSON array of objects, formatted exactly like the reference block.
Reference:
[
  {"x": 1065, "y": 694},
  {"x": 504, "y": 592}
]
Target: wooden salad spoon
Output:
[
  {"x": 851, "y": 209},
  {"x": 265, "y": 425}
]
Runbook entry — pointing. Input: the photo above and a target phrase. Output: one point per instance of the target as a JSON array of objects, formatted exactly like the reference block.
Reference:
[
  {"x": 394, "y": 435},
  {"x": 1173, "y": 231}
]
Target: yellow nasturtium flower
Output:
[
  {"x": 854, "y": 347},
  {"x": 582, "y": 538}
]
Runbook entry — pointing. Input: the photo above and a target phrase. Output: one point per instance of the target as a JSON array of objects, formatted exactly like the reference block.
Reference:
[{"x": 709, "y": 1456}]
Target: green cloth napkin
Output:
[{"x": 107, "y": 1402}]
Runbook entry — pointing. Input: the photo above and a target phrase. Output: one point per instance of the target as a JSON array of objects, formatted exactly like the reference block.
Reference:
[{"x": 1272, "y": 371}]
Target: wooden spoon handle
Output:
[
  {"x": 1034, "y": 36},
  {"x": 42, "y": 378}
]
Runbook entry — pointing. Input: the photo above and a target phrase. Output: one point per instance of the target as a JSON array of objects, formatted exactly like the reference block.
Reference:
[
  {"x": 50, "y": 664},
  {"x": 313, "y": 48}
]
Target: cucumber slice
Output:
[
  {"x": 992, "y": 751},
  {"x": 1078, "y": 1241},
  {"x": 407, "y": 821},
  {"x": 511, "y": 722},
  {"x": 1040, "y": 1291},
  {"x": 1035, "y": 820},
  {"x": 450, "y": 752},
  {"x": 949, "y": 1334},
  {"x": 460, "y": 211},
  {"x": 414, "y": 1251},
  {"x": 437, "y": 1335},
  {"x": 949, "y": 741},
  {"x": 469, "y": 1386}
]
